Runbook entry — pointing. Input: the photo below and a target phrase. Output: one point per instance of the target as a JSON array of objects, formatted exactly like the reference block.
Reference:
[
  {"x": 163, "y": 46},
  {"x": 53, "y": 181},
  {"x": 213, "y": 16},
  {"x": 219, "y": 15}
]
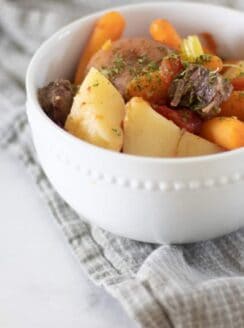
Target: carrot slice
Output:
[
  {"x": 227, "y": 132},
  {"x": 150, "y": 87},
  {"x": 109, "y": 27},
  {"x": 234, "y": 105},
  {"x": 163, "y": 31},
  {"x": 214, "y": 63}
]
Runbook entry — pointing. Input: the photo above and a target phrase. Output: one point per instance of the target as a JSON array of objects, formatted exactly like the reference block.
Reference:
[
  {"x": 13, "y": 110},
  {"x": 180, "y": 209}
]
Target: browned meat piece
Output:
[
  {"x": 200, "y": 90},
  {"x": 56, "y": 100},
  {"x": 128, "y": 58}
]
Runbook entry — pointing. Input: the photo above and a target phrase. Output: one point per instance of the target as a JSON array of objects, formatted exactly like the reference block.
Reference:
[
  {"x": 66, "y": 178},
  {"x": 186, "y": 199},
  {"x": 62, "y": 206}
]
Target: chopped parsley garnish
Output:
[
  {"x": 149, "y": 77},
  {"x": 117, "y": 132},
  {"x": 96, "y": 84},
  {"x": 203, "y": 59},
  {"x": 119, "y": 62},
  {"x": 161, "y": 48},
  {"x": 143, "y": 60},
  {"x": 212, "y": 77},
  {"x": 133, "y": 71},
  {"x": 105, "y": 71},
  {"x": 142, "y": 66},
  {"x": 116, "y": 68},
  {"x": 152, "y": 66},
  {"x": 172, "y": 55}
]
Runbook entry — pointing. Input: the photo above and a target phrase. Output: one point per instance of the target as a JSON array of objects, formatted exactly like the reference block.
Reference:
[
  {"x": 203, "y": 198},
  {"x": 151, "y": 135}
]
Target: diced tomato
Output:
[
  {"x": 153, "y": 86},
  {"x": 170, "y": 67},
  {"x": 238, "y": 83},
  {"x": 184, "y": 118}
]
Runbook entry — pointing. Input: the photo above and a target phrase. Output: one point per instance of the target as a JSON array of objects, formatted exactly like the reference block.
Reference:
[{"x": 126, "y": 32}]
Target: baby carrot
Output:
[
  {"x": 163, "y": 31},
  {"x": 108, "y": 27},
  {"x": 227, "y": 132},
  {"x": 234, "y": 105}
]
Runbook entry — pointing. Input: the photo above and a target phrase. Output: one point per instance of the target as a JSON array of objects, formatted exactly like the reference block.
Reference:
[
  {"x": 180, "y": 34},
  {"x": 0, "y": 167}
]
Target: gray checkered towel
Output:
[{"x": 197, "y": 285}]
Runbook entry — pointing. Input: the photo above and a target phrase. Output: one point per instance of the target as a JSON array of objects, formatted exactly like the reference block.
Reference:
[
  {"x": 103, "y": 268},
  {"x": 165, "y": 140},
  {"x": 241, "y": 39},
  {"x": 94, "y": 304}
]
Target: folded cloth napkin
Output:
[{"x": 197, "y": 285}]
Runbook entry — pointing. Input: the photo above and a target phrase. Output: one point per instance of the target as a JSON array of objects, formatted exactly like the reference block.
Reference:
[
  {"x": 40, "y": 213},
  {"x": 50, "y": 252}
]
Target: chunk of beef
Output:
[
  {"x": 56, "y": 100},
  {"x": 127, "y": 58},
  {"x": 200, "y": 90}
]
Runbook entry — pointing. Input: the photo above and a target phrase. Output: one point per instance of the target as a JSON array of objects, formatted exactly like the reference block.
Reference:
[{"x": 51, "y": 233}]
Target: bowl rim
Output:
[{"x": 32, "y": 98}]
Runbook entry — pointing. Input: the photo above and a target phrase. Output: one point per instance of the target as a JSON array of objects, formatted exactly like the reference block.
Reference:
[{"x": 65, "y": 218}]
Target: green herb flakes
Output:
[
  {"x": 116, "y": 68},
  {"x": 143, "y": 60},
  {"x": 96, "y": 84},
  {"x": 203, "y": 59},
  {"x": 116, "y": 131}
]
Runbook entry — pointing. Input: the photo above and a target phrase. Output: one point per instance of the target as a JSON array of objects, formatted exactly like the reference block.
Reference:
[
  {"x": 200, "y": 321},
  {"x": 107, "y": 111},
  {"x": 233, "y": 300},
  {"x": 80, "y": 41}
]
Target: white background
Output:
[{"x": 41, "y": 281}]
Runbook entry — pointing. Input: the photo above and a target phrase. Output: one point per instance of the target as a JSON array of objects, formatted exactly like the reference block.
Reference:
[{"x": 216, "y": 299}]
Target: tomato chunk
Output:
[
  {"x": 238, "y": 83},
  {"x": 184, "y": 118},
  {"x": 170, "y": 67}
]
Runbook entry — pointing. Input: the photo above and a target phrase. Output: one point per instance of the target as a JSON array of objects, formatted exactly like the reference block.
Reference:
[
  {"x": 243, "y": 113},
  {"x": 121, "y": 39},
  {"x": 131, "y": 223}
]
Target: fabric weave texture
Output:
[{"x": 198, "y": 285}]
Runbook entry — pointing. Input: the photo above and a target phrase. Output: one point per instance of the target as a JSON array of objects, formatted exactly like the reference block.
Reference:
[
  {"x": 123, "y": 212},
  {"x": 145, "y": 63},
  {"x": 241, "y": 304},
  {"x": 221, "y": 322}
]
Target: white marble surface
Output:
[{"x": 41, "y": 282}]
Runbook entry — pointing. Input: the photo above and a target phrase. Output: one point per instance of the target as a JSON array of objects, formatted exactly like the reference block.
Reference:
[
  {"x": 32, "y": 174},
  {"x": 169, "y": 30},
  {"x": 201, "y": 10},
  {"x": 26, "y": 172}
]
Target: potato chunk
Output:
[
  {"x": 192, "y": 145},
  {"x": 97, "y": 112},
  {"x": 148, "y": 133}
]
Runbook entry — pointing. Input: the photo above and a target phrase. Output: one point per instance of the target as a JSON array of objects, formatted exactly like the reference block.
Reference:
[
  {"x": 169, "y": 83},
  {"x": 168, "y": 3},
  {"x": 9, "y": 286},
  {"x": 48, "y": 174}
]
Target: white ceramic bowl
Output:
[{"x": 148, "y": 199}]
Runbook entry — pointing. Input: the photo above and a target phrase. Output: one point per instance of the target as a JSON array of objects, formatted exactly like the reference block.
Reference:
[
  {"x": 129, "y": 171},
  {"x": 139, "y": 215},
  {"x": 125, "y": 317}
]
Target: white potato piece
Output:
[
  {"x": 147, "y": 133},
  {"x": 192, "y": 145},
  {"x": 97, "y": 112}
]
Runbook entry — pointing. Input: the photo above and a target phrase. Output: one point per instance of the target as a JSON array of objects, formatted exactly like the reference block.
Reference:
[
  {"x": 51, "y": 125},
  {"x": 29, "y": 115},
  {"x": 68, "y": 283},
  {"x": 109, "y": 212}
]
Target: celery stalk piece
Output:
[{"x": 191, "y": 48}]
